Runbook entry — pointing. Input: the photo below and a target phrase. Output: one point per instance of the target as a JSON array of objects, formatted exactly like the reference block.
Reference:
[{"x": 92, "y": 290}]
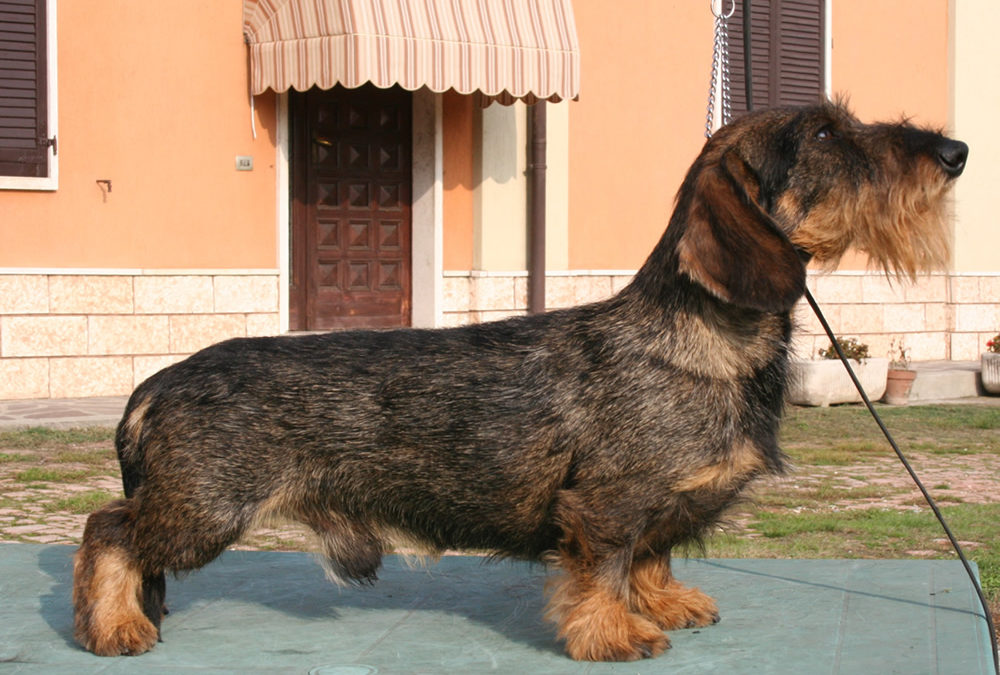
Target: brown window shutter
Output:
[
  {"x": 23, "y": 102},
  {"x": 761, "y": 41},
  {"x": 800, "y": 52},
  {"x": 788, "y": 52}
]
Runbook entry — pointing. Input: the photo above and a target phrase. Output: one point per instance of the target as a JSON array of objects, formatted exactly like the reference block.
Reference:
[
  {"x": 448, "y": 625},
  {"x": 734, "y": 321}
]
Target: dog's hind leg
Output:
[
  {"x": 118, "y": 572},
  {"x": 657, "y": 595},
  {"x": 109, "y": 594},
  {"x": 589, "y": 600}
]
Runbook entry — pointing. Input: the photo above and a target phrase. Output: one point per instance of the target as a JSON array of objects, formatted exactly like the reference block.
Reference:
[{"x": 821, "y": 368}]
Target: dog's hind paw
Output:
[{"x": 129, "y": 638}]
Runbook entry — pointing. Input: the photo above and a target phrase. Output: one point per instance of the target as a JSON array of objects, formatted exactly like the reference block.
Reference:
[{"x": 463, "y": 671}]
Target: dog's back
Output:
[{"x": 460, "y": 437}]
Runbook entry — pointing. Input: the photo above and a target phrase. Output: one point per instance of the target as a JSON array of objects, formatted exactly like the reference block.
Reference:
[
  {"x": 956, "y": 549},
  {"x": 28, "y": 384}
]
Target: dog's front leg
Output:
[
  {"x": 589, "y": 598},
  {"x": 589, "y": 606},
  {"x": 657, "y": 595}
]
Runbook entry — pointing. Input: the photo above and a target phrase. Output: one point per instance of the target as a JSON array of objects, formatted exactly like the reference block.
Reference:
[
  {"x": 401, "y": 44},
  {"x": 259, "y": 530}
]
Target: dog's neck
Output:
[
  {"x": 730, "y": 344},
  {"x": 699, "y": 332}
]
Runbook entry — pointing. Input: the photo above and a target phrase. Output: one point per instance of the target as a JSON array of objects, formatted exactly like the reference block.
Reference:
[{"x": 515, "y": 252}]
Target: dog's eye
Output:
[{"x": 824, "y": 134}]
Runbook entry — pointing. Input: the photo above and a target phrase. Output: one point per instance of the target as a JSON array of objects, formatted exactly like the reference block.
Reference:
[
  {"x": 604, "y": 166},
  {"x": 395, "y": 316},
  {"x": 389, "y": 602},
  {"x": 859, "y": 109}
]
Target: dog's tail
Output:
[{"x": 128, "y": 442}]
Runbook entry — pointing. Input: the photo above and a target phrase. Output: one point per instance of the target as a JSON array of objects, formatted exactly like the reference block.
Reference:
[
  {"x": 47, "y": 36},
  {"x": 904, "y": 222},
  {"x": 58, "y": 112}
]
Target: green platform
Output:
[{"x": 276, "y": 613}]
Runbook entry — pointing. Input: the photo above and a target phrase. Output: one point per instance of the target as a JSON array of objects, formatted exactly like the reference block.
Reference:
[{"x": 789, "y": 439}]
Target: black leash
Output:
[
  {"x": 748, "y": 89},
  {"x": 913, "y": 475}
]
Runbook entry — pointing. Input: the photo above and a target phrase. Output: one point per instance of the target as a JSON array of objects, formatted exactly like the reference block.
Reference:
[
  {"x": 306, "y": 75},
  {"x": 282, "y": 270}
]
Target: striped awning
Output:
[{"x": 505, "y": 48}]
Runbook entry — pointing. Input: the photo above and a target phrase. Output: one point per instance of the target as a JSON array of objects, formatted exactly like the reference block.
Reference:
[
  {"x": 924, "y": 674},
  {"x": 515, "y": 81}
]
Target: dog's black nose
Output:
[{"x": 952, "y": 156}]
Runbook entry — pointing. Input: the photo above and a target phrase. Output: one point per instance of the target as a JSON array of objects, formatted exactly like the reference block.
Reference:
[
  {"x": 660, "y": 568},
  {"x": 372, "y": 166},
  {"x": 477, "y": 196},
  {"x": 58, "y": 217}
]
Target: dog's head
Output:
[{"x": 778, "y": 188}]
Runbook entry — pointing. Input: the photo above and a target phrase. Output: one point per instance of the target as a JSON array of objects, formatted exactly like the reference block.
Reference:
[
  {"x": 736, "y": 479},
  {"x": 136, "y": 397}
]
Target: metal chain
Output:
[{"x": 720, "y": 66}]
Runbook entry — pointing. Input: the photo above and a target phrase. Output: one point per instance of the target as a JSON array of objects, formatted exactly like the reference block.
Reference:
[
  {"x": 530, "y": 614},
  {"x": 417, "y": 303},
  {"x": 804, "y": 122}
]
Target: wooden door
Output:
[{"x": 351, "y": 215}]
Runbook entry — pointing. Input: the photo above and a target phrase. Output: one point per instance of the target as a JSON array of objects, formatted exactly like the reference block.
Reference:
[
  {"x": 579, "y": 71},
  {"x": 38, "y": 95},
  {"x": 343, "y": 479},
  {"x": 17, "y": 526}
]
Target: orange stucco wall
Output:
[
  {"x": 153, "y": 97},
  {"x": 637, "y": 126},
  {"x": 645, "y": 73},
  {"x": 458, "y": 129},
  {"x": 891, "y": 59},
  {"x": 887, "y": 78}
]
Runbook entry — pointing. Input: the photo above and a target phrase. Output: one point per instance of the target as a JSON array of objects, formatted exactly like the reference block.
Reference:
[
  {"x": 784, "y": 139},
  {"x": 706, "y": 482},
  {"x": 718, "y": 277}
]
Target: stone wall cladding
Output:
[
  {"x": 101, "y": 334},
  {"x": 472, "y": 297},
  {"x": 939, "y": 317}
]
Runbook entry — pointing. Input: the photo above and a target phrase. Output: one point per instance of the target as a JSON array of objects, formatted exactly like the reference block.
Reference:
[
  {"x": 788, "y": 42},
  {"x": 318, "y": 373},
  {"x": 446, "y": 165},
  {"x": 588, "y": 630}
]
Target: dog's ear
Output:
[{"x": 732, "y": 247}]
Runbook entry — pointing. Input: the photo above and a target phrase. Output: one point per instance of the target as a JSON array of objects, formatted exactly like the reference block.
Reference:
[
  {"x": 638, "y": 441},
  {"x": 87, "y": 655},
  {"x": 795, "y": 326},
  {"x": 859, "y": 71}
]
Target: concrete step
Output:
[{"x": 946, "y": 380}]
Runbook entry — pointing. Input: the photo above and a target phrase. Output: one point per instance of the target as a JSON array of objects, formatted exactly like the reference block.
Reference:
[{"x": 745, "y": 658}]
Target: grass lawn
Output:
[{"x": 846, "y": 497}]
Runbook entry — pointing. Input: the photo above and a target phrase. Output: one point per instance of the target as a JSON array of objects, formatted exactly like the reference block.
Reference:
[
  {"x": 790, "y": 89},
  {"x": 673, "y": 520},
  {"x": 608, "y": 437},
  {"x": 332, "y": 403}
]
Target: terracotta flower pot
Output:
[
  {"x": 897, "y": 386},
  {"x": 991, "y": 372}
]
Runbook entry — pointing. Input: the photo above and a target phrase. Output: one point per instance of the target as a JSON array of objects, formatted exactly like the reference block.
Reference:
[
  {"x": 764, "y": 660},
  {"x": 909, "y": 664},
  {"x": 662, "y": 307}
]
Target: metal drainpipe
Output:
[{"x": 536, "y": 226}]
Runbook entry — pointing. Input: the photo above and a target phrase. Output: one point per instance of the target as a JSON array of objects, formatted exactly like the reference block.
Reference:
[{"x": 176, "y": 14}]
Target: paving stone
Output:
[
  {"x": 22, "y": 529},
  {"x": 46, "y": 538}
]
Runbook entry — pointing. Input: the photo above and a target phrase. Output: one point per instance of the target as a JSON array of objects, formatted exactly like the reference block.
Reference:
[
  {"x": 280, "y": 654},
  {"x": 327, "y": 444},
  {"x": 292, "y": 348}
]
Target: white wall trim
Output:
[
  {"x": 282, "y": 216},
  {"x": 426, "y": 241}
]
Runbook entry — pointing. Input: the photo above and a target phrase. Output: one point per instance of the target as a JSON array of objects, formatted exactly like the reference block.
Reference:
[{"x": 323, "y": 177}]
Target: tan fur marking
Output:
[
  {"x": 655, "y": 594},
  {"x": 743, "y": 461},
  {"x": 109, "y": 619},
  {"x": 416, "y": 552},
  {"x": 712, "y": 349},
  {"x": 788, "y": 206},
  {"x": 901, "y": 224},
  {"x": 597, "y": 626},
  {"x": 133, "y": 425}
]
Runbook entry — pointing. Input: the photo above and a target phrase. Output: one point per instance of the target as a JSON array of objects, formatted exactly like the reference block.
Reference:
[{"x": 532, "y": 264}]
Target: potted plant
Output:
[
  {"x": 990, "y": 363},
  {"x": 900, "y": 377},
  {"x": 852, "y": 348},
  {"x": 824, "y": 381}
]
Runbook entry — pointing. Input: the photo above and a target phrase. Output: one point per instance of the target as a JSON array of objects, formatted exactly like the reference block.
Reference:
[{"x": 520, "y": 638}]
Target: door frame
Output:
[{"x": 426, "y": 252}]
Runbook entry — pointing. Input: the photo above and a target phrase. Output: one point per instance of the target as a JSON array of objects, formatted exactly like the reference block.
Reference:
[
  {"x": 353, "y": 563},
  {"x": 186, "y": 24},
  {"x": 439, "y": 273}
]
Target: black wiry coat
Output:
[{"x": 597, "y": 437}]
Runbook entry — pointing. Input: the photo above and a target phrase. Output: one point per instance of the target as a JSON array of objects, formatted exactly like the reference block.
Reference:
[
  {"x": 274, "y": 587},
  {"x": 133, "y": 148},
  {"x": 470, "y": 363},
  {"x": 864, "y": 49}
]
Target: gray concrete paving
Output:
[
  {"x": 62, "y": 413},
  {"x": 268, "y": 612},
  {"x": 873, "y": 613}
]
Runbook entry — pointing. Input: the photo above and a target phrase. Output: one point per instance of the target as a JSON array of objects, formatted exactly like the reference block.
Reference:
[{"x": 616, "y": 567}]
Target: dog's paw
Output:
[
  {"x": 695, "y": 609},
  {"x": 678, "y": 607},
  {"x": 128, "y": 638},
  {"x": 633, "y": 639}
]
